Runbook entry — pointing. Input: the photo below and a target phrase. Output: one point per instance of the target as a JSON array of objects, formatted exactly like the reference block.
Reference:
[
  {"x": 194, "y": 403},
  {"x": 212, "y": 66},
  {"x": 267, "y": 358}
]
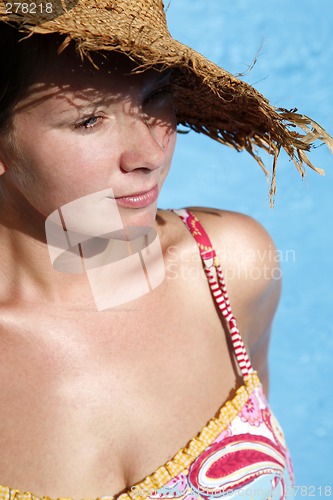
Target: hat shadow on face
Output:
[{"x": 66, "y": 76}]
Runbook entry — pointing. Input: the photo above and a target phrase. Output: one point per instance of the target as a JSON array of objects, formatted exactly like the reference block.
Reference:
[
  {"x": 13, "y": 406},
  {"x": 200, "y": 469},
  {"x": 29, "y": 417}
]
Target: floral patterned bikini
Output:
[{"x": 239, "y": 453}]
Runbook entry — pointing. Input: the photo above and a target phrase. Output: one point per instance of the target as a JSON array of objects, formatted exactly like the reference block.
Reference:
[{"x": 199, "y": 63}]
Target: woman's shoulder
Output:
[
  {"x": 238, "y": 238},
  {"x": 229, "y": 224},
  {"x": 246, "y": 251},
  {"x": 249, "y": 260}
]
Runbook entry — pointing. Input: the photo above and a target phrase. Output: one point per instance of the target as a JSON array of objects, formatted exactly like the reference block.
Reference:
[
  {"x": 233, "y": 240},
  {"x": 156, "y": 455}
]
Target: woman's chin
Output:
[{"x": 138, "y": 218}]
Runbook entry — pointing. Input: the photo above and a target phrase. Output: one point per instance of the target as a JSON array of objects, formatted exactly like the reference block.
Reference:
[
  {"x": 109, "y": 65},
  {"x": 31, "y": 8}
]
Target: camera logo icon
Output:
[{"x": 122, "y": 263}]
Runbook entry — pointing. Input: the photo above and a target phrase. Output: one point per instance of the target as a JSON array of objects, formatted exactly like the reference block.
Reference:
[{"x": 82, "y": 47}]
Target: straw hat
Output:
[{"x": 207, "y": 98}]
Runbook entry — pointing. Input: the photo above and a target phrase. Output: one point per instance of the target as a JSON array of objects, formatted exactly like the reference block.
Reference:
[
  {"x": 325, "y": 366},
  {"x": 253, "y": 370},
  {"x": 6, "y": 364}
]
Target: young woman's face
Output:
[{"x": 80, "y": 131}]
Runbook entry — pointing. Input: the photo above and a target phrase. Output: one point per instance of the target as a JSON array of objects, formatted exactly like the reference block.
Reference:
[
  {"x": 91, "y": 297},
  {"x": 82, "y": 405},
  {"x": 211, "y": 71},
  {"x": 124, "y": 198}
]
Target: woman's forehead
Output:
[
  {"x": 109, "y": 70},
  {"x": 66, "y": 78}
]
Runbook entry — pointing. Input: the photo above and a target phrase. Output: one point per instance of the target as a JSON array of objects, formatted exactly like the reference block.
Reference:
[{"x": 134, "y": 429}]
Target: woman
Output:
[{"x": 97, "y": 395}]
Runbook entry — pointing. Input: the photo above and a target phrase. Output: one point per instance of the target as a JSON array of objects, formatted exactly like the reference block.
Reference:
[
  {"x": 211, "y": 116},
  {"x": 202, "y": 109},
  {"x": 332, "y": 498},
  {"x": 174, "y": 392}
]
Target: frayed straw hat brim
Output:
[{"x": 207, "y": 98}]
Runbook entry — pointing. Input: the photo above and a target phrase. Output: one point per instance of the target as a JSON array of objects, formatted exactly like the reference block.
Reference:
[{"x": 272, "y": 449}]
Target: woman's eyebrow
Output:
[
  {"x": 84, "y": 102},
  {"x": 90, "y": 99}
]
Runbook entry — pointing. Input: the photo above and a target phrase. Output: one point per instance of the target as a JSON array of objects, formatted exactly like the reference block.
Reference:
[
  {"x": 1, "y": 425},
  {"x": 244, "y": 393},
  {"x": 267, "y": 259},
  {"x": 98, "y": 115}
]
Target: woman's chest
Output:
[{"x": 93, "y": 403}]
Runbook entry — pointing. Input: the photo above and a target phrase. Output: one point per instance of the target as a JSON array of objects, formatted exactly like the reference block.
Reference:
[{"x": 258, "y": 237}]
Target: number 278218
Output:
[{"x": 29, "y": 8}]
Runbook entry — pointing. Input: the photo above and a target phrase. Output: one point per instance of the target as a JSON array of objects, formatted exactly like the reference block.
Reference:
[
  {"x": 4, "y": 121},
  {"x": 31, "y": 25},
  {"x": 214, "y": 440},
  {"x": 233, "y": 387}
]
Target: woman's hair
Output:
[{"x": 21, "y": 58}]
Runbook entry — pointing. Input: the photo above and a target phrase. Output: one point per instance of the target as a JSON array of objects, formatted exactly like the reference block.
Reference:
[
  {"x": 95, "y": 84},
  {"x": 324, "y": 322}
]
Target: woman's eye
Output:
[
  {"x": 88, "y": 123},
  {"x": 158, "y": 95}
]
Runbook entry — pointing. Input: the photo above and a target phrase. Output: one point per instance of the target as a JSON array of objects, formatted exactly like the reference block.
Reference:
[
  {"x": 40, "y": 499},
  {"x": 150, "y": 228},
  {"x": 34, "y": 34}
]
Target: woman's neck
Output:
[{"x": 27, "y": 274}]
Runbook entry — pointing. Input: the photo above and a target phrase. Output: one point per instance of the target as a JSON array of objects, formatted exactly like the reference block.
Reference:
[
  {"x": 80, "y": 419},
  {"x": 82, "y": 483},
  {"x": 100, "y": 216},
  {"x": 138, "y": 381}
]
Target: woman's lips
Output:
[{"x": 139, "y": 200}]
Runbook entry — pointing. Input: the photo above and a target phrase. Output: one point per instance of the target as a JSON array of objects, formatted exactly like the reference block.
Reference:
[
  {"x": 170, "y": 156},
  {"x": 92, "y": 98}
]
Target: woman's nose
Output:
[{"x": 143, "y": 145}]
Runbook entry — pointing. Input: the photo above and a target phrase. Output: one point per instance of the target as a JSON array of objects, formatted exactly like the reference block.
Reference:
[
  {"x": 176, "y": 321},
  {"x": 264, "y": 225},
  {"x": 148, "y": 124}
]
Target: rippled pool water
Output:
[{"x": 293, "y": 42}]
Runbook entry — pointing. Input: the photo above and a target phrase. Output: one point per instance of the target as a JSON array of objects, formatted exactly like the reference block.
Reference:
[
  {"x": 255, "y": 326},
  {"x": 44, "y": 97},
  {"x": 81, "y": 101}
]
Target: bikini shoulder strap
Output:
[{"x": 217, "y": 286}]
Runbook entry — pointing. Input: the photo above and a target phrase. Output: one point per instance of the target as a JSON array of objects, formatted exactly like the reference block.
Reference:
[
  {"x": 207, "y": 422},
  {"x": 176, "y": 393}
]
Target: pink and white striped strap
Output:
[{"x": 218, "y": 288}]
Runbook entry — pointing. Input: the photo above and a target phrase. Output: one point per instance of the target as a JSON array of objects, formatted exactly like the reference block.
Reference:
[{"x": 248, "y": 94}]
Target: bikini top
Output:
[{"x": 239, "y": 453}]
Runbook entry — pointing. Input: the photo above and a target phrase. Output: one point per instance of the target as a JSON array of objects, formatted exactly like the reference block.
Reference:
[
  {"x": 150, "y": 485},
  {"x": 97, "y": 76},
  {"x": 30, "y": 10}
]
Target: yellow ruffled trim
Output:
[{"x": 181, "y": 461}]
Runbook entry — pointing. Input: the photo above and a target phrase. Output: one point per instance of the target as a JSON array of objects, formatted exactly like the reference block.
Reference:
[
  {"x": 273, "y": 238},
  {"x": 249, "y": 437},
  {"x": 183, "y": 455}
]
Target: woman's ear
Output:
[
  {"x": 3, "y": 162},
  {"x": 3, "y": 167}
]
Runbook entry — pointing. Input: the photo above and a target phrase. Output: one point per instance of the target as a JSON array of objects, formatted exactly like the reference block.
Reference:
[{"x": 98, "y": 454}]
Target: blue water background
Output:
[{"x": 295, "y": 68}]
